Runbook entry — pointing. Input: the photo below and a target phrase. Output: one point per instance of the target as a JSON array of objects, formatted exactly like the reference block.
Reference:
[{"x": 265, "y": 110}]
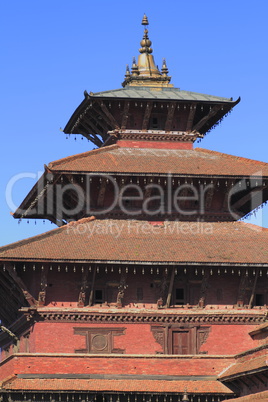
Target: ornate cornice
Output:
[
  {"x": 153, "y": 135},
  {"x": 144, "y": 317}
]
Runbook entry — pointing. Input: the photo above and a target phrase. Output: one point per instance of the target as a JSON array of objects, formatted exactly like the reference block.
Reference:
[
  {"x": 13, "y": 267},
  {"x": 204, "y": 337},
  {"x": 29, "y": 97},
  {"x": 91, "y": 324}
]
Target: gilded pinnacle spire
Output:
[
  {"x": 145, "y": 72},
  {"x": 145, "y": 42},
  {"x": 145, "y": 20}
]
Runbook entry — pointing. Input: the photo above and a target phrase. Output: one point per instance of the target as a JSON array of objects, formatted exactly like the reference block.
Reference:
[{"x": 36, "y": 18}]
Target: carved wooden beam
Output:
[
  {"x": 89, "y": 133},
  {"x": 91, "y": 294},
  {"x": 253, "y": 289},
  {"x": 225, "y": 204},
  {"x": 100, "y": 118},
  {"x": 204, "y": 288},
  {"x": 94, "y": 114},
  {"x": 10, "y": 297},
  {"x": 101, "y": 194},
  {"x": 109, "y": 117},
  {"x": 170, "y": 289},
  {"x": 242, "y": 289},
  {"x": 170, "y": 115},
  {"x": 30, "y": 299},
  {"x": 94, "y": 139},
  {"x": 125, "y": 115},
  {"x": 254, "y": 195},
  {"x": 262, "y": 380},
  {"x": 205, "y": 119},
  {"x": 209, "y": 198},
  {"x": 164, "y": 285},
  {"x": 191, "y": 115},
  {"x": 83, "y": 289},
  {"x": 147, "y": 114}
]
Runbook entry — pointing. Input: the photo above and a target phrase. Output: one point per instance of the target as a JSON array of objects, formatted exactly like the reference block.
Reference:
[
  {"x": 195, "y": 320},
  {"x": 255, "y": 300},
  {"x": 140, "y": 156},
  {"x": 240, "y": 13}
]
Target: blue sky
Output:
[{"x": 53, "y": 50}]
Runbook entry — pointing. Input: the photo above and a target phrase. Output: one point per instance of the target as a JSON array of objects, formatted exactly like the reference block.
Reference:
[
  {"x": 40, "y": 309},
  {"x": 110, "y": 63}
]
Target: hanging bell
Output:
[{"x": 185, "y": 397}]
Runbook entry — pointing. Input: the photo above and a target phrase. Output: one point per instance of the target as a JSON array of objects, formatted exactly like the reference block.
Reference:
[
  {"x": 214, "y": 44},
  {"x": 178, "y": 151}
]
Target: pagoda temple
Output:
[{"x": 150, "y": 288}]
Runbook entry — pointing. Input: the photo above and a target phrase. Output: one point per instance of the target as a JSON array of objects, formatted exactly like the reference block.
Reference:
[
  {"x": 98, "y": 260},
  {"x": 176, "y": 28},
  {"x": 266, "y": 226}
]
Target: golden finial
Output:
[
  {"x": 145, "y": 72},
  {"x": 134, "y": 68},
  {"x": 127, "y": 72},
  {"x": 145, "y": 20},
  {"x": 164, "y": 69},
  {"x": 145, "y": 42}
]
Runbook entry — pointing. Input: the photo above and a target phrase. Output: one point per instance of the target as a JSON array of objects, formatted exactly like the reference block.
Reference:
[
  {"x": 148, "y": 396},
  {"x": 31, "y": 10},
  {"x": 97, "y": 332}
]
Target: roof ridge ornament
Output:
[{"x": 145, "y": 72}]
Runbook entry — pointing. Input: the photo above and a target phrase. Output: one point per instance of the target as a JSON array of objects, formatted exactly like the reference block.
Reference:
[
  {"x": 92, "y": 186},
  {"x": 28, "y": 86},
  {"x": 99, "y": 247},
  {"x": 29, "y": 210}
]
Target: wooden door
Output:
[{"x": 181, "y": 342}]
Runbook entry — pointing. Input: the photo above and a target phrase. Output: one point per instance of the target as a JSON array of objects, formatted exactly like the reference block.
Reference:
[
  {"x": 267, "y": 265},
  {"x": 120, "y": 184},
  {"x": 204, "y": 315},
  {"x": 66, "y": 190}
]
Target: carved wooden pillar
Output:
[
  {"x": 101, "y": 194},
  {"x": 164, "y": 286},
  {"x": 253, "y": 289},
  {"x": 92, "y": 287},
  {"x": 170, "y": 289},
  {"x": 43, "y": 286},
  {"x": 242, "y": 290},
  {"x": 203, "y": 290},
  {"x": 83, "y": 289},
  {"x": 121, "y": 290}
]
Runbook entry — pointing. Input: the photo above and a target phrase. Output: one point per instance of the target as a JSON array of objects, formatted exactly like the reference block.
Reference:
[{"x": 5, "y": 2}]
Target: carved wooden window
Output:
[
  {"x": 181, "y": 340},
  {"x": 99, "y": 340}
]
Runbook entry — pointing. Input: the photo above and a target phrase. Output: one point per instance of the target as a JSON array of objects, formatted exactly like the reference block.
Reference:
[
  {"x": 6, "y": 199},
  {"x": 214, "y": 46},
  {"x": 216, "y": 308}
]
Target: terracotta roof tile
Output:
[
  {"x": 260, "y": 329},
  {"x": 260, "y": 396},
  {"x": 152, "y": 386},
  {"x": 259, "y": 363},
  {"x": 139, "y": 241},
  {"x": 114, "y": 159}
]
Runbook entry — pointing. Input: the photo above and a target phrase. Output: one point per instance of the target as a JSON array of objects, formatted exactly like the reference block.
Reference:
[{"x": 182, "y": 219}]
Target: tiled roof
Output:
[
  {"x": 259, "y": 329},
  {"x": 116, "y": 159},
  {"x": 259, "y": 363},
  {"x": 139, "y": 241},
  {"x": 152, "y": 386},
  {"x": 158, "y": 93},
  {"x": 260, "y": 396}
]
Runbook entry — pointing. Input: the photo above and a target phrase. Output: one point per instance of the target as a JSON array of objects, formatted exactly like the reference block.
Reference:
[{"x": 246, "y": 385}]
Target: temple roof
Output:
[
  {"x": 146, "y": 85},
  {"x": 255, "y": 364},
  {"x": 144, "y": 93},
  {"x": 260, "y": 396},
  {"x": 127, "y": 385},
  {"x": 130, "y": 241},
  {"x": 184, "y": 162}
]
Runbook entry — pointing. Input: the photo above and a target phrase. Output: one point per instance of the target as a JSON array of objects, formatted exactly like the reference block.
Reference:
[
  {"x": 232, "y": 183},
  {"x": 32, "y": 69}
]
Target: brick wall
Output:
[{"x": 137, "y": 339}]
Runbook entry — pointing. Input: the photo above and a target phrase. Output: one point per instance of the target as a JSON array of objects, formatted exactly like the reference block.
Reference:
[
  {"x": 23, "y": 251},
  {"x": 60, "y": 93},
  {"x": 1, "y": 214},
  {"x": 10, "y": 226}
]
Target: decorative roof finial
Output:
[
  {"x": 145, "y": 20},
  {"x": 145, "y": 72},
  {"x": 164, "y": 69},
  {"x": 145, "y": 42},
  {"x": 127, "y": 72},
  {"x": 134, "y": 68}
]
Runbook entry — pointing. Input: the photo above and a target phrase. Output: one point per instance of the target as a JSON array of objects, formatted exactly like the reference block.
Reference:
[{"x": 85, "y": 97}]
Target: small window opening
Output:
[
  {"x": 98, "y": 296},
  {"x": 259, "y": 299},
  {"x": 179, "y": 296},
  {"x": 139, "y": 294},
  {"x": 155, "y": 122}
]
